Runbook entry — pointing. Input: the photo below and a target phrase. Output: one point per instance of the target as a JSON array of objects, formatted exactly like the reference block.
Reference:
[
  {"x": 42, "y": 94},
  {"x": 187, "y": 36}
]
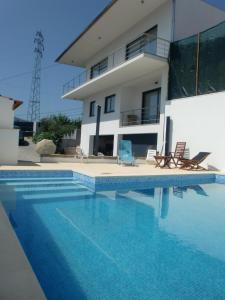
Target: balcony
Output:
[
  {"x": 138, "y": 117},
  {"x": 129, "y": 62}
]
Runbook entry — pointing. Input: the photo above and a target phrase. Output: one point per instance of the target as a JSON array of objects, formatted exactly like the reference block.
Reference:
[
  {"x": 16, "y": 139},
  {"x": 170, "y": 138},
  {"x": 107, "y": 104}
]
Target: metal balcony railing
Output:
[
  {"x": 138, "y": 117},
  {"x": 158, "y": 47}
]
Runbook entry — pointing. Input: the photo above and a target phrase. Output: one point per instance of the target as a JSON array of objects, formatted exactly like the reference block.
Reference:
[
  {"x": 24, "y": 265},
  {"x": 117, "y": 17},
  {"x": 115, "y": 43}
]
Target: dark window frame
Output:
[
  {"x": 92, "y": 108},
  {"x": 108, "y": 98},
  {"x": 159, "y": 90},
  {"x": 139, "y": 43},
  {"x": 99, "y": 68}
]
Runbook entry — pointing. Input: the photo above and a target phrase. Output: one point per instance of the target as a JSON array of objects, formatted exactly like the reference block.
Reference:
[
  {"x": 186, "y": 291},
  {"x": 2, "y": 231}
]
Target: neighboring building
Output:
[
  {"x": 9, "y": 137},
  {"x": 125, "y": 53},
  {"x": 26, "y": 127}
]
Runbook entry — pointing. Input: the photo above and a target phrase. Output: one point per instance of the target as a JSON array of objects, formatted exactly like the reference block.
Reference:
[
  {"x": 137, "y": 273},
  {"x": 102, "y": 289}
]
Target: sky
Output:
[
  {"x": 218, "y": 3},
  {"x": 60, "y": 21}
]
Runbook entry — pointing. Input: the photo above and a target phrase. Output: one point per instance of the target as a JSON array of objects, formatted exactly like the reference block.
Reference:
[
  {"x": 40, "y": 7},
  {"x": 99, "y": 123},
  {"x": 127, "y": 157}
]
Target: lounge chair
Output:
[
  {"x": 125, "y": 153},
  {"x": 172, "y": 158},
  {"x": 194, "y": 163}
]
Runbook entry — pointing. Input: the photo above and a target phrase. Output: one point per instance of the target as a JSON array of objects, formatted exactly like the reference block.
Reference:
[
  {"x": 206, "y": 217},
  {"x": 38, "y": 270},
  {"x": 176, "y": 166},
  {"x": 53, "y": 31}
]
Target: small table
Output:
[{"x": 163, "y": 159}]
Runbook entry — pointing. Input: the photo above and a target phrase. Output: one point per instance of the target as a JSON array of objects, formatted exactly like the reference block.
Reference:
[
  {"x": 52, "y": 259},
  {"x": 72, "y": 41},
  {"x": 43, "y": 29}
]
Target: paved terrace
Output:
[{"x": 102, "y": 169}]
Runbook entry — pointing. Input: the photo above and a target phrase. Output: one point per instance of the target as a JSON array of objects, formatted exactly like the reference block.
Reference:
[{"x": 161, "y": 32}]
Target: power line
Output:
[
  {"x": 26, "y": 73},
  {"x": 59, "y": 111},
  {"x": 48, "y": 114}
]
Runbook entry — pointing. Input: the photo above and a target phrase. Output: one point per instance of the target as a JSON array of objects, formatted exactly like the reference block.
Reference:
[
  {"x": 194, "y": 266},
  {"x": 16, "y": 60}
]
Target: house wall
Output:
[
  {"x": 200, "y": 122},
  {"x": 6, "y": 113},
  {"x": 193, "y": 16},
  {"x": 161, "y": 17},
  {"x": 9, "y": 137},
  {"x": 188, "y": 18},
  {"x": 128, "y": 97}
]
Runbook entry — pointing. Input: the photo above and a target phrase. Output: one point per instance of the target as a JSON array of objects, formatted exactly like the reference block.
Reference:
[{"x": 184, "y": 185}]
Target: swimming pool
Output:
[{"x": 164, "y": 242}]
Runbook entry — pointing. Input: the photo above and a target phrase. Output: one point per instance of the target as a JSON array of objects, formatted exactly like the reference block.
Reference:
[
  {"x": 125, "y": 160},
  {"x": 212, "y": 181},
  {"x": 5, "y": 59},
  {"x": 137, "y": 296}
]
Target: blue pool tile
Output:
[{"x": 220, "y": 178}]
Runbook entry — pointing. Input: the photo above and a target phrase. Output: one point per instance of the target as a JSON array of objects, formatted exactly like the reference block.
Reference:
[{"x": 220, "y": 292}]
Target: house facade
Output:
[
  {"x": 125, "y": 53},
  {"x": 9, "y": 137}
]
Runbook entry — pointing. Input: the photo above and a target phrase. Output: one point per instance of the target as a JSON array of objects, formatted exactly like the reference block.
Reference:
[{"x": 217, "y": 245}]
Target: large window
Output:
[
  {"x": 92, "y": 109},
  {"x": 183, "y": 68},
  {"x": 197, "y": 64},
  {"x": 99, "y": 68},
  {"x": 110, "y": 104},
  {"x": 147, "y": 42},
  {"x": 151, "y": 106}
]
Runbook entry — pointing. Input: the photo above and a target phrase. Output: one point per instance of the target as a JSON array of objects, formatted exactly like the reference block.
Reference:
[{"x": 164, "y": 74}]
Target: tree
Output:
[{"x": 55, "y": 127}]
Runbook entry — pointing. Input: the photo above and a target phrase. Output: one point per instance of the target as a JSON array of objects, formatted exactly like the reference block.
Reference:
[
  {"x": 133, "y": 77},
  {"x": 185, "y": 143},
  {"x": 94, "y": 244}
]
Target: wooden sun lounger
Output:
[{"x": 194, "y": 163}]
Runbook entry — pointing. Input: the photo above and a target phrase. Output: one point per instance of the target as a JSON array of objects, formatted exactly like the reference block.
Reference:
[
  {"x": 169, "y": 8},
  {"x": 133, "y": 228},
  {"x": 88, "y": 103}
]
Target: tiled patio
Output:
[{"x": 102, "y": 169}]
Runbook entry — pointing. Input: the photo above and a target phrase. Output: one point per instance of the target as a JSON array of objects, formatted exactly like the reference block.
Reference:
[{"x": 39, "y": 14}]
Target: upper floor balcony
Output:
[{"x": 131, "y": 61}]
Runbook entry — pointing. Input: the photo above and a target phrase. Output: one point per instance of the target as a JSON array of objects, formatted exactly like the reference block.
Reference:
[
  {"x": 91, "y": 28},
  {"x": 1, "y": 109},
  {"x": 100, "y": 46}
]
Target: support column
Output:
[
  {"x": 164, "y": 97},
  {"x": 96, "y": 144},
  {"x": 117, "y": 138}
]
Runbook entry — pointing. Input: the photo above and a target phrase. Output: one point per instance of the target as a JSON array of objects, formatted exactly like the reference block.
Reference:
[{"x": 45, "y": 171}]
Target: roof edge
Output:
[
  {"x": 16, "y": 102},
  {"x": 87, "y": 28}
]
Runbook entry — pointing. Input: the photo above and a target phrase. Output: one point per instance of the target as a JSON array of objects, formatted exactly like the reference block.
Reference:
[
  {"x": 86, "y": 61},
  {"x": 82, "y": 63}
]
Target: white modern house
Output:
[
  {"x": 125, "y": 56},
  {"x": 9, "y": 137}
]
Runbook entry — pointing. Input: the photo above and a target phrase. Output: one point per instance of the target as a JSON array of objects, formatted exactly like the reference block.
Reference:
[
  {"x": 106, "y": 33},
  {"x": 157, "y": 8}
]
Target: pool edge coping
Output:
[{"x": 19, "y": 280}]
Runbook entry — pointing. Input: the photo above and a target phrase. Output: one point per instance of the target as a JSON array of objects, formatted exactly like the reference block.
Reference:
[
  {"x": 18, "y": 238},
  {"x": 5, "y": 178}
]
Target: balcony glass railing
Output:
[
  {"x": 138, "y": 117},
  {"x": 158, "y": 47}
]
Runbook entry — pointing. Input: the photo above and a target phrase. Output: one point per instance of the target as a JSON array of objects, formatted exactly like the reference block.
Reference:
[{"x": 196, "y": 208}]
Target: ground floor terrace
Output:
[{"x": 101, "y": 169}]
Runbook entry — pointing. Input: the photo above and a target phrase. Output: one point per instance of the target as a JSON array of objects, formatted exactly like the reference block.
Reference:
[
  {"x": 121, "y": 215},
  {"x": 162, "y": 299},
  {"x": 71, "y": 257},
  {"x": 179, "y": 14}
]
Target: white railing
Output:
[{"x": 158, "y": 47}]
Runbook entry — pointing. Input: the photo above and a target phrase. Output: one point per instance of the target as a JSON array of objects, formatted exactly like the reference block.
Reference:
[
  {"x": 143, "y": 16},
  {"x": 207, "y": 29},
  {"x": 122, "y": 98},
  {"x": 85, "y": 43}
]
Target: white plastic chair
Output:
[{"x": 150, "y": 155}]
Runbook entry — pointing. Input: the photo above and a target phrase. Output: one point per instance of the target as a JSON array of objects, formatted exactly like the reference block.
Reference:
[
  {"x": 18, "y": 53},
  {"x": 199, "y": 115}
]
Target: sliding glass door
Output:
[{"x": 151, "y": 107}]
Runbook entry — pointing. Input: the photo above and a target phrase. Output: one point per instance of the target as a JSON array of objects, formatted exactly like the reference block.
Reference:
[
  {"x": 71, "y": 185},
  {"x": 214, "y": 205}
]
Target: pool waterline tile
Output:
[{"x": 113, "y": 182}]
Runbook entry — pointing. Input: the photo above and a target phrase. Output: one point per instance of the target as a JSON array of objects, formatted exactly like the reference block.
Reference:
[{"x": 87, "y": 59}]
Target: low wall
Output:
[
  {"x": 57, "y": 158},
  {"x": 200, "y": 121}
]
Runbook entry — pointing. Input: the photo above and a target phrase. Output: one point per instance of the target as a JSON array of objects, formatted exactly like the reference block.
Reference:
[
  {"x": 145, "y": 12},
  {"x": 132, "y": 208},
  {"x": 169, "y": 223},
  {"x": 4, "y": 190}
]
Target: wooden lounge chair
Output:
[
  {"x": 194, "y": 163},
  {"x": 178, "y": 154},
  {"x": 173, "y": 157}
]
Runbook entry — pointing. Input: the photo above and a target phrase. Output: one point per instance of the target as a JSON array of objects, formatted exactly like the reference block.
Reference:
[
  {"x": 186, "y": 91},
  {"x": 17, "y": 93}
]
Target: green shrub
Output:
[{"x": 54, "y": 128}]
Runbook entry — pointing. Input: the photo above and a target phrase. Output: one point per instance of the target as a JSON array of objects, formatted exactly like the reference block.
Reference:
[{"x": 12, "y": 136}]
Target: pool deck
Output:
[
  {"x": 103, "y": 169},
  {"x": 18, "y": 279}
]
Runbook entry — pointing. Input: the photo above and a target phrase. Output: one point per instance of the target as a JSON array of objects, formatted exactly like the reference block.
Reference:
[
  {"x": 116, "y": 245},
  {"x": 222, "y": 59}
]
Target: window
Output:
[
  {"x": 110, "y": 104},
  {"x": 92, "y": 109},
  {"x": 136, "y": 47},
  {"x": 151, "y": 106},
  {"x": 99, "y": 68},
  {"x": 145, "y": 43}
]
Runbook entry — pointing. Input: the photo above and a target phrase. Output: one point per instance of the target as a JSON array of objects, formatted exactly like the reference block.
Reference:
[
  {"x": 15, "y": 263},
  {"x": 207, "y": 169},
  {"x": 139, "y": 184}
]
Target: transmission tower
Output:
[{"x": 33, "y": 113}]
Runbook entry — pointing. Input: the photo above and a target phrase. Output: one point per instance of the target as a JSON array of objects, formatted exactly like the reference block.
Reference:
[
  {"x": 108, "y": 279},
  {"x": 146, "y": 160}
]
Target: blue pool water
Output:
[{"x": 150, "y": 243}]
